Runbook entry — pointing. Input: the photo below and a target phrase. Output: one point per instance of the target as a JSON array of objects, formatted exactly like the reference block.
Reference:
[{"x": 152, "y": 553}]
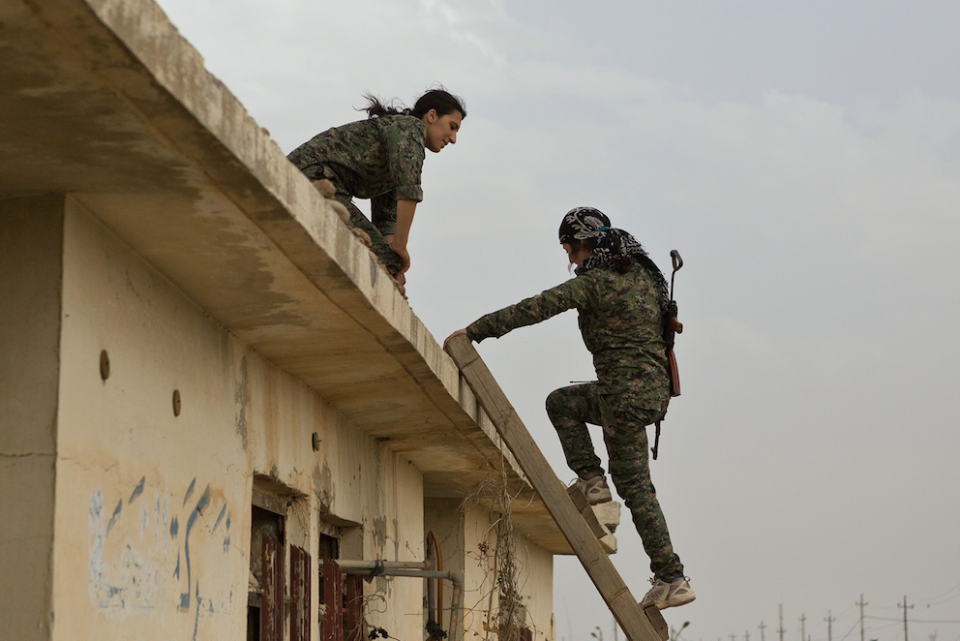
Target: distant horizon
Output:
[{"x": 772, "y": 631}]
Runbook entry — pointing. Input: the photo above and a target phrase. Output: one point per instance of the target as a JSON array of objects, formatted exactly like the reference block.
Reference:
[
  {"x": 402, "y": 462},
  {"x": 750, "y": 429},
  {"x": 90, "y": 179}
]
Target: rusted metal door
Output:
[
  {"x": 300, "y": 573},
  {"x": 332, "y": 619},
  {"x": 271, "y": 607}
]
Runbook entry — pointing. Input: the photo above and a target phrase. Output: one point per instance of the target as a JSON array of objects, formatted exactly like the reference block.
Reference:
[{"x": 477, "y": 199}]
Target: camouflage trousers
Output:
[
  {"x": 624, "y": 432},
  {"x": 376, "y": 229},
  {"x": 378, "y": 245}
]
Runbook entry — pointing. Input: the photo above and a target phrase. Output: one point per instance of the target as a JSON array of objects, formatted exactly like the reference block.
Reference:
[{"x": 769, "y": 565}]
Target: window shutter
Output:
[
  {"x": 333, "y": 601},
  {"x": 300, "y": 585},
  {"x": 271, "y": 608}
]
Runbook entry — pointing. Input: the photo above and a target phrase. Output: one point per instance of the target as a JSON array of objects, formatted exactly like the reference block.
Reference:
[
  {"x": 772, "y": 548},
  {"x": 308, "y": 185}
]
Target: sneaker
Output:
[
  {"x": 668, "y": 595},
  {"x": 595, "y": 489}
]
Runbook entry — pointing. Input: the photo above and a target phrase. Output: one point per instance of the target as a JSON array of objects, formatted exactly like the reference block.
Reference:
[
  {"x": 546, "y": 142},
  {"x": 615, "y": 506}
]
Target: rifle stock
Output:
[{"x": 674, "y": 373}]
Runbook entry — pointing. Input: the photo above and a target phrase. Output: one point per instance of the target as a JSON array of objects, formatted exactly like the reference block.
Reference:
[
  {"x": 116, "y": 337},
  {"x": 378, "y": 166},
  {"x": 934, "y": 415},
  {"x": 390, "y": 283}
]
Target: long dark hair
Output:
[{"x": 440, "y": 99}]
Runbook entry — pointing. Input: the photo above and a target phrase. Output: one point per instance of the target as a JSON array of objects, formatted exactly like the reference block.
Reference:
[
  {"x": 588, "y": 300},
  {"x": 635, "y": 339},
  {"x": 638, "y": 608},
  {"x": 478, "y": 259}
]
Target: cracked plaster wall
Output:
[
  {"x": 153, "y": 509},
  {"x": 536, "y": 565}
]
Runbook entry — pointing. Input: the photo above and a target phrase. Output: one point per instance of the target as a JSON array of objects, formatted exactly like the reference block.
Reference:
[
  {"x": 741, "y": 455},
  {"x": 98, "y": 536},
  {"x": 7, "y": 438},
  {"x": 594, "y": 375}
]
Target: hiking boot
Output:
[
  {"x": 595, "y": 489},
  {"x": 668, "y": 595}
]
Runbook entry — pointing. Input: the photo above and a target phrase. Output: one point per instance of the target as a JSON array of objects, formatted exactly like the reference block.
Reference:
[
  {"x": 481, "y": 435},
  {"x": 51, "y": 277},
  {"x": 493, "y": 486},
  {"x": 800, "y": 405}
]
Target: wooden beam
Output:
[{"x": 584, "y": 542}]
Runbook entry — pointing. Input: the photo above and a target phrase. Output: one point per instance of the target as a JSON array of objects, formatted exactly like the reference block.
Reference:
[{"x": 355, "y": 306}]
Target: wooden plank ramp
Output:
[{"x": 637, "y": 624}]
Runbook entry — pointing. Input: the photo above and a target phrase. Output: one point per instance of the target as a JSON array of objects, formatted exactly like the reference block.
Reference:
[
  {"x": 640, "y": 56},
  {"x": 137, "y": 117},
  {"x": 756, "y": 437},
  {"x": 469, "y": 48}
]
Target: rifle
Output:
[{"x": 671, "y": 327}]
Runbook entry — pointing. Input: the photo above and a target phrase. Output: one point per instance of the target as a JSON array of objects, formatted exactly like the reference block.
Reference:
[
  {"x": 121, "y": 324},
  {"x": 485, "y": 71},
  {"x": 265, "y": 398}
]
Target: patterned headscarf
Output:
[
  {"x": 610, "y": 244},
  {"x": 581, "y": 223}
]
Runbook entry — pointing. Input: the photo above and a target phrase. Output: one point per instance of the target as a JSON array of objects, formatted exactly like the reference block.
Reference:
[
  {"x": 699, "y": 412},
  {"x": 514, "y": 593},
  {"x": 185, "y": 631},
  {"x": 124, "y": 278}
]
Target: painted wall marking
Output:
[
  {"x": 129, "y": 562},
  {"x": 197, "y": 511}
]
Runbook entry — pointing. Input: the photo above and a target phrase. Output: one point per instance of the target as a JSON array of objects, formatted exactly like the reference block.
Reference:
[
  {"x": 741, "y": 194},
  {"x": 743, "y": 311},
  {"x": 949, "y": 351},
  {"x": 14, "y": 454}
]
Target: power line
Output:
[
  {"x": 955, "y": 590},
  {"x": 845, "y": 610},
  {"x": 916, "y": 620},
  {"x": 892, "y": 624},
  {"x": 854, "y": 627}
]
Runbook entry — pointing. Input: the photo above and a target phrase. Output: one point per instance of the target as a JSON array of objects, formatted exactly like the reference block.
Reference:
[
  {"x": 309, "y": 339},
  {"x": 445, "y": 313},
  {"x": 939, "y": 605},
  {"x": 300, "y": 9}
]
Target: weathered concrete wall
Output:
[
  {"x": 393, "y": 530},
  {"x": 479, "y": 588},
  {"x": 30, "y": 277},
  {"x": 468, "y": 541},
  {"x": 152, "y": 507},
  {"x": 154, "y": 514},
  {"x": 536, "y": 587},
  {"x": 443, "y": 518}
]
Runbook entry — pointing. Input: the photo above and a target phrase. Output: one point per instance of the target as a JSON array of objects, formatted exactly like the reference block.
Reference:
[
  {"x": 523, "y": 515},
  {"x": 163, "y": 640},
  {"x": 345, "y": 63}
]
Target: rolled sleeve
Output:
[{"x": 410, "y": 192}]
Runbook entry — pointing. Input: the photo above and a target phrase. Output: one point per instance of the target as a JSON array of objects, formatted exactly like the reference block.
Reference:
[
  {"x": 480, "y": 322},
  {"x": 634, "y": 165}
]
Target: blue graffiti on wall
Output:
[{"x": 130, "y": 558}]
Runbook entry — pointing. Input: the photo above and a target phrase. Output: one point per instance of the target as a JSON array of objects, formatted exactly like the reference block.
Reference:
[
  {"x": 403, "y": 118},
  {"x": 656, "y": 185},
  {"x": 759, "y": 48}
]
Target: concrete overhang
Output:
[{"x": 105, "y": 101}]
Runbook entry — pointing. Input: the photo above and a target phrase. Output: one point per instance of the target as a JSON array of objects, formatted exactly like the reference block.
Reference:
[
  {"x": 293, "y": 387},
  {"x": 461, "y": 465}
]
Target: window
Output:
[
  {"x": 341, "y": 595},
  {"x": 301, "y": 571},
  {"x": 267, "y": 599},
  {"x": 266, "y": 595}
]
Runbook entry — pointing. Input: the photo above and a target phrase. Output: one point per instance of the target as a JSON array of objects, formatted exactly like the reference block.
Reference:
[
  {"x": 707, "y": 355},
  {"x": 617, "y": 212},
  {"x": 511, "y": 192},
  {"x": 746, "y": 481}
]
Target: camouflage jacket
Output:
[
  {"x": 620, "y": 321},
  {"x": 369, "y": 158}
]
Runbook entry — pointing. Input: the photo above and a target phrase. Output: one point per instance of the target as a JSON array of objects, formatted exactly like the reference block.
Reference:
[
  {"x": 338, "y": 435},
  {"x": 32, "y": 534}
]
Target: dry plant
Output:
[{"x": 507, "y": 618}]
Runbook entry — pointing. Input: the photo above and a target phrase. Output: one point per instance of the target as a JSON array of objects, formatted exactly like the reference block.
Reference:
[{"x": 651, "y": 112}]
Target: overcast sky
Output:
[{"x": 804, "y": 158}]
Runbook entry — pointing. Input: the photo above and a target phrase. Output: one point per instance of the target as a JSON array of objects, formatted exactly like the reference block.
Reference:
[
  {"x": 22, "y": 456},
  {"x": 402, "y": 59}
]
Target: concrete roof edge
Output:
[
  {"x": 141, "y": 56},
  {"x": 286, "y": 207}
]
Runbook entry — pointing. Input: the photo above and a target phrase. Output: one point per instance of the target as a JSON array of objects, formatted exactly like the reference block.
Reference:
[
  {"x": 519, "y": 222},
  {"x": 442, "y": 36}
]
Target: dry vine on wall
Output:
[{"x": 509, "y": 616}]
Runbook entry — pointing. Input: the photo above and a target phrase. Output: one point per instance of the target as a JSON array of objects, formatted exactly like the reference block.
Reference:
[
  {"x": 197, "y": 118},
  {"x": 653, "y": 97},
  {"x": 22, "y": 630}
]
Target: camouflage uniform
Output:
[
  {"x": 378, "y": 158},
  {"x": 620, "y": 320}
]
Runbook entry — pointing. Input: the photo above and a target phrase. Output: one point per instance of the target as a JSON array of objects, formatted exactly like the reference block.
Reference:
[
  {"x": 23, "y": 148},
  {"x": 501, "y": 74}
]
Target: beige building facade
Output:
[{"x": 210, "y": 393}]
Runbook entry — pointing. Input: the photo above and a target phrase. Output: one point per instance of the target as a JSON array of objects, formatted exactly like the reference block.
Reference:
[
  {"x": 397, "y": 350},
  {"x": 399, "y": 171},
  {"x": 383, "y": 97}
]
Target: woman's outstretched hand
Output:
[{"x": 459, "y": 332}]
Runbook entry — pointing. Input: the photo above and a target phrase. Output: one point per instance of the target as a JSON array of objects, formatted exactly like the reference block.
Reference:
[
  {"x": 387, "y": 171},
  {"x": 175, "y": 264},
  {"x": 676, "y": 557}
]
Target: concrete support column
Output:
[{"x": 31, "y": 257}]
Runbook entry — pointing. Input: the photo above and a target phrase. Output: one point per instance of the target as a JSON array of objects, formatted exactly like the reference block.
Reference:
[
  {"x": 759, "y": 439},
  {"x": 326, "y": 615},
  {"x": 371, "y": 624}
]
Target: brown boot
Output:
[
  {"x": 340, "y": 208},
  {"x": 325, "y": 187},
  {"x": 362, "y": 235}
]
